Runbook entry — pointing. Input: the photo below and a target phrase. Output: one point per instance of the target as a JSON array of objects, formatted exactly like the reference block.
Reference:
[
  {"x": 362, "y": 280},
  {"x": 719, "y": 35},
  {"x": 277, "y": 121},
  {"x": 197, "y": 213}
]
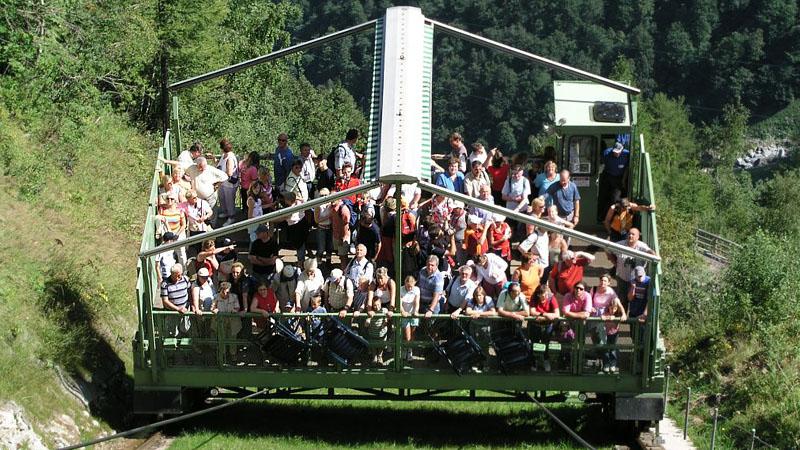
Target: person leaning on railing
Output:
[
  {"x": 175, "y": 297},
  {"x": 545, "y": 310},
  {"x": 619, "y": 218}
]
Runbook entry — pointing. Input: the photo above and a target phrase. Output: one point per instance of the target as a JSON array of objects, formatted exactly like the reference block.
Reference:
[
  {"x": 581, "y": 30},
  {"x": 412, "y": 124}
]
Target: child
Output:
[
  {"x": 480, "y": 305},
  {"x": 227, "y": 302},
  {"x": 614, "y": 314},
  {"x": 409, "y": 302},
  {"x": 315, "y": 307},
  {"x": 377, "y": 328}
]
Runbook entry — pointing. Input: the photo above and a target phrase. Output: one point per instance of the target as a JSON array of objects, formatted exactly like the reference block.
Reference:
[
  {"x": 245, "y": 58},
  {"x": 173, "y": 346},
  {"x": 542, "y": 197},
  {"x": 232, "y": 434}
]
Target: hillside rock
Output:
[
  {"x": 15, "y": 431},
  {"x": 764, "y": 153}
]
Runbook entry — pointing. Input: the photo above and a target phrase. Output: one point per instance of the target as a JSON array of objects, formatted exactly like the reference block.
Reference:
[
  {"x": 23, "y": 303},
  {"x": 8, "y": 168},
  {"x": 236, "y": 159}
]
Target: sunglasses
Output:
[{"x": 578, "y": 288}]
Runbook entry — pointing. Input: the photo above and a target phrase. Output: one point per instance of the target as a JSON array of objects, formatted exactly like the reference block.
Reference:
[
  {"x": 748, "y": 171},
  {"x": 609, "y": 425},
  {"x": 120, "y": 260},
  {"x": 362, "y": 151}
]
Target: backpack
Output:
[
  {"x": 350, "y": 265},
  {"x": 408, "y": 224},
  {"x": 353, "y": 213},
  {"x": 331, "y": 159}
]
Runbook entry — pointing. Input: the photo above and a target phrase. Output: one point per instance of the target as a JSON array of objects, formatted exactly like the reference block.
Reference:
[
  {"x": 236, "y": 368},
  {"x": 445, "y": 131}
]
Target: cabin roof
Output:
[{"x": 574, "y": 101}]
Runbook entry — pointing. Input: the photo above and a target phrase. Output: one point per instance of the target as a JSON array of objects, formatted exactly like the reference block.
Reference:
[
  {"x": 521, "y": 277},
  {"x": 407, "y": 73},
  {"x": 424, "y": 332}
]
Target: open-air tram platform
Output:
[{"x": 170, "y": 373}]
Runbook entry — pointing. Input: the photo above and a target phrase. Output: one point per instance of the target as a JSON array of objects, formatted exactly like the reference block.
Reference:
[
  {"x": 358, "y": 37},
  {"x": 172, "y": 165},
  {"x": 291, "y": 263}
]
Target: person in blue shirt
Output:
[
  {"x": 452, "y": 179},
  {"x": 613, "y": 179},
  {"x": 566, "y": 197},
  {"x": 282, "y": 159}
]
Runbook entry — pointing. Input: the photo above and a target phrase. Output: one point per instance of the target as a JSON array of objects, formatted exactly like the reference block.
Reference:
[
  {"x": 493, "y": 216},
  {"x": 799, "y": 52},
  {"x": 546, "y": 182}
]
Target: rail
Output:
[
  {"x": 569, "y": 346},
  {"x": 643, "y": 191},
  {"x": 713, "y": 246}
]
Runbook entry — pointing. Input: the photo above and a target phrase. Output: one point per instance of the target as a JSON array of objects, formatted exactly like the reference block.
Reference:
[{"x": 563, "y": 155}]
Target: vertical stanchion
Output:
[
  {"x": 686, "y": 414},
  {"x": 666, "y": 387},
  {"x": 398, "y": 277},
  {"x": 714, "y": 429},
  {"x": 752, "y": 439}
]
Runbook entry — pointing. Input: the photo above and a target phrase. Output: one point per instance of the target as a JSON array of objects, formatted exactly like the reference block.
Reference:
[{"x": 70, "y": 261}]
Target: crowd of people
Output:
[{"x": 456, "y": 259}]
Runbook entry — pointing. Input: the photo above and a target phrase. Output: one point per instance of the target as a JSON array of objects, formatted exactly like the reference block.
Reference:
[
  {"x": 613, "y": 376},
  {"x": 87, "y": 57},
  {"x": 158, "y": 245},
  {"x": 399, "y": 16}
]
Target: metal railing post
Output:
[
  {"x": 176, "y": 125},
  {"x": 714, "y": 429},
  {"x": 686, "y": 414},
  {"x": 752, "y": 438}
]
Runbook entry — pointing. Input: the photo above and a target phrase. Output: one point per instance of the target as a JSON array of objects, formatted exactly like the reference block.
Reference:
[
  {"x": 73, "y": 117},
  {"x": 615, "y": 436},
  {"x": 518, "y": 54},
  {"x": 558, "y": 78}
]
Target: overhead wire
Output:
[{"x": 162, "y": 422}]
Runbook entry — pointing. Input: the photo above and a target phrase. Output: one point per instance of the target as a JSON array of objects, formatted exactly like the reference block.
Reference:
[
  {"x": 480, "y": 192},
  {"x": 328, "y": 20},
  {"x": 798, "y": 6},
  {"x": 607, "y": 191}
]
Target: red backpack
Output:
[{"x": 408, "y": 225}]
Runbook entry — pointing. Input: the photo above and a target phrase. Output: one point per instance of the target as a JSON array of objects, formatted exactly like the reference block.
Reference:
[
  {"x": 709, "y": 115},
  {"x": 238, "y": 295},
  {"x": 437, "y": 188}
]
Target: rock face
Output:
[
  {"x": 15, "y": 431},
  {"x": 763, "y": 154}
]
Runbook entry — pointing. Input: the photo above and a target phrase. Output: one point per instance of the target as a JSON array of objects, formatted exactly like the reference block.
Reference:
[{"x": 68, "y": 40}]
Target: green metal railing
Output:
[
  {"x": 649, "y": 229},
  {"x": 146, "y": 277},
  {"x": 207, "y": 344}
]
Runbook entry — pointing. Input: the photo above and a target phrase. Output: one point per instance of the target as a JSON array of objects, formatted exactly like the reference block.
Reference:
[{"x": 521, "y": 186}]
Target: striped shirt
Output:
[{"x": 176, "y": 292}]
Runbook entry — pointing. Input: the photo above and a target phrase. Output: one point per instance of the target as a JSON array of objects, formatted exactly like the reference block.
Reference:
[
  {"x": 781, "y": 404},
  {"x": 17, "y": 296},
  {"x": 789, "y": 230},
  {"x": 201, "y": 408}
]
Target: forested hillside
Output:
[
  {"x": 82, "y": 106},
  {"x": 713, "y": 53}
]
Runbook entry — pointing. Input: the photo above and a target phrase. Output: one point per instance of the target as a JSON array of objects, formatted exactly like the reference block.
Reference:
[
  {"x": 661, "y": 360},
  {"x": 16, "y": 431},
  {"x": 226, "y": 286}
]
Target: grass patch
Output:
[
  {"x": 339, "y": 424},
  {"x": 784, "y": 124}
]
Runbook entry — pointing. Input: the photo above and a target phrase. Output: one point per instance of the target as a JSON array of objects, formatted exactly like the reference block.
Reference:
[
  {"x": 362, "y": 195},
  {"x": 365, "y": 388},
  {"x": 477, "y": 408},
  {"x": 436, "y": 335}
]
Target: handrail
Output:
[
  {"x": 550, "y": 226},
  {"x": 274, "y": 55},
  {"x": 486, "y": 42},
  {"x": 259, "y": 220},
  {"x": 464, "y": 316}
]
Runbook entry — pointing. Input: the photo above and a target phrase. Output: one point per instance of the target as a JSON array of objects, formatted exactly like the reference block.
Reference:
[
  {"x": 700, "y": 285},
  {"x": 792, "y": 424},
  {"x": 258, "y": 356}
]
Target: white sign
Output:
[{"x": 581, "y": 181}]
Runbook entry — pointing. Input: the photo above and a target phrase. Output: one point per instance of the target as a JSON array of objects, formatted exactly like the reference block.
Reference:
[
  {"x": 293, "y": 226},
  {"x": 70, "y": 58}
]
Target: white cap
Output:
[
  {"x": 203, "y": 272},
  {"x": 473, "y": 219},
  {"x": 336, "y": 274}
]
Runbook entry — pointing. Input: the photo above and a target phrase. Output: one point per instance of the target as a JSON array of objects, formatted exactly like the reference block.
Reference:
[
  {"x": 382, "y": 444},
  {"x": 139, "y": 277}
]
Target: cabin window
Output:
[{"x": 581, "y": 154}]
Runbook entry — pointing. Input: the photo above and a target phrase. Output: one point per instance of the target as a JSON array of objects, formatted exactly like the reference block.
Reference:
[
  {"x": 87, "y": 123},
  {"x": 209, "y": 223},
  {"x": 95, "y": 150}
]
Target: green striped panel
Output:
[
  {"x": 427, "y": 124},
  {"x": 374, "y": 134}
]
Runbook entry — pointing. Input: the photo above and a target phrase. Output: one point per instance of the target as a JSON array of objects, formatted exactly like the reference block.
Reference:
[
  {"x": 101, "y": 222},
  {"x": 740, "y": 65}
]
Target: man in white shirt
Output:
[
  {"x": 460, "y": 291},
  {"x": 625, "y": 264},
  {"x": 205, "y": 180},
  {"x": 360, "y": 266},
  {"x": 310, "y": 284},
  {"x": 491, "y": 271},
  {"x": 308, "y": 172},
  {"x": 345, "y": 151}
]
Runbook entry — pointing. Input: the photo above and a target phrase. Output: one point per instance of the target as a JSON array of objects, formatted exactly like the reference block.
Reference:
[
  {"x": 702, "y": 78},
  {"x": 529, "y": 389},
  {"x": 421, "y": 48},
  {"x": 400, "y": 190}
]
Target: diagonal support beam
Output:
[
  {"x": 366, "y": 26},
  {"x": 524, "y": 218},
  {"x": 485, "y": 42},
  {"x": 259, "y": 220}
]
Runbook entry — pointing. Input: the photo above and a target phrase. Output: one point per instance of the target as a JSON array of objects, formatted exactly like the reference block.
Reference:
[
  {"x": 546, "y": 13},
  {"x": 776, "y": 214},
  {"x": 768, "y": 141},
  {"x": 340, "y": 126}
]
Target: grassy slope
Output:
[
  {"x": 783, "y": 124},
  {"x": 70, "y": 206}
]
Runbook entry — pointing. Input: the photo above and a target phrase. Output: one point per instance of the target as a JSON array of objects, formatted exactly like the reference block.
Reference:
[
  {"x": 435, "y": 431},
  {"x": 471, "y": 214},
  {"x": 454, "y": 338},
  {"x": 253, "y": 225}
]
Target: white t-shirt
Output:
[
  {"x": 307, "y": 288},
  {"x": 185, "y": 159},
  {"x": 204, "y": 181},
  {"x": 494, "y": 272},
  {"x": 407, "y": 298},
  {"x": 626, "y": 264},
  {"x": 223, "y": 162},
  {"x": 344, "y": 153},
  {"x": 513, "y": 188}
]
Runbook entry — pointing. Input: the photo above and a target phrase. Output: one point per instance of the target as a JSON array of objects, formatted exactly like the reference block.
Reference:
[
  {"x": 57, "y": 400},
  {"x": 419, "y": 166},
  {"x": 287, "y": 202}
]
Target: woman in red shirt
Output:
[
  {"x": 500, "y": 237},
  {"x": 264, "y": 302},
  {"x": 545, "y": 310},
  {"x": 498, "y": 171}
]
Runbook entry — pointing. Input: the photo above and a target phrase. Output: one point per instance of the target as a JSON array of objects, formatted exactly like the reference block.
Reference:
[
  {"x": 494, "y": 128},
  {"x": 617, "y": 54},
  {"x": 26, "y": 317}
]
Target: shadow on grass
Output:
[
  {"x": 96, "y": 372},
  {"x": 440, "y": 425}
]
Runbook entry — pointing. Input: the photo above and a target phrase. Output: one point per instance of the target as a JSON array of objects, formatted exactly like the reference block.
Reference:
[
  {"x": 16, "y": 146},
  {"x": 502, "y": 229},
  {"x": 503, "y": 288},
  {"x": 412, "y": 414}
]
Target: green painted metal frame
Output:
[{"x": 151, "y": 371}]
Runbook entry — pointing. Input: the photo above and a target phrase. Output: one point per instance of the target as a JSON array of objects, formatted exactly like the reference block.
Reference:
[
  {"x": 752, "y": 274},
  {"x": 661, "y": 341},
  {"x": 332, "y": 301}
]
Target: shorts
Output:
[{"x": 409, "y": 322}]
